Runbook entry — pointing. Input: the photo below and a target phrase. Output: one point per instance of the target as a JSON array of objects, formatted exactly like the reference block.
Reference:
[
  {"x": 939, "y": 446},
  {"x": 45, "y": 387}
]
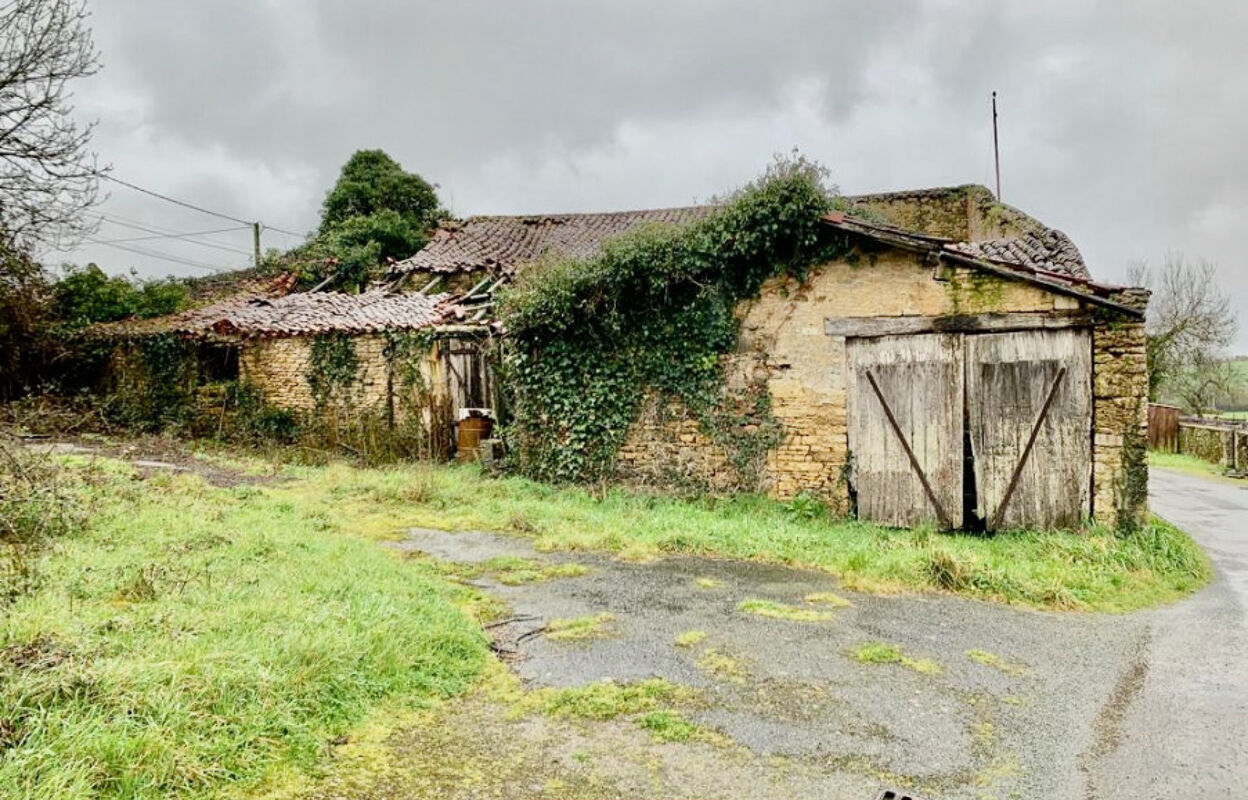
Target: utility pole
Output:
[
  {"x": 255, "y": 236},
  {"x": 996, "y": 152}
]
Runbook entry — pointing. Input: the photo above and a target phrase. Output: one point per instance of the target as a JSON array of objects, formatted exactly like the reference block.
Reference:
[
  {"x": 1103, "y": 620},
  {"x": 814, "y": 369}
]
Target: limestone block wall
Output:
[
  {"x": 1119, "y": 420},
  {"x": 279, "y": 369},
  {"x": 668, "y": 447},
  {"x": 1205, "y": 442},
  {"x": 784, "y": 345}
]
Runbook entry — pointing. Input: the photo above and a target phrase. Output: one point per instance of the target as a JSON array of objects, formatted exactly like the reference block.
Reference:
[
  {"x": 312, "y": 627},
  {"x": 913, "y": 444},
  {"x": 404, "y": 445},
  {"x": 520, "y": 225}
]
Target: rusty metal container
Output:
[{"x": 472, "y": 431}]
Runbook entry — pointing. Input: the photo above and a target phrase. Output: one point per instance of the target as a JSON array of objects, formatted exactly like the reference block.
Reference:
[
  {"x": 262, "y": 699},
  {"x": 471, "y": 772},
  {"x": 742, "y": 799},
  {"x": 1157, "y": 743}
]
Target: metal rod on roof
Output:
[{"x": 996, "y": 151}]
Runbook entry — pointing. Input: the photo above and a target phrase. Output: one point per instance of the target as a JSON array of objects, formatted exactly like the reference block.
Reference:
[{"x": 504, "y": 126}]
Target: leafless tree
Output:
[
  {"x": 47, "y": 174},
  {"x": 1190, "y": 324}
]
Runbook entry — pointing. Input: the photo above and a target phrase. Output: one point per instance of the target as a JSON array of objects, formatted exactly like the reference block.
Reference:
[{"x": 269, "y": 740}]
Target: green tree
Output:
[
  {"x": 372, "y": 181},
  {"x": 85, "y": 295},
  {"x": 375, "y": 212}
]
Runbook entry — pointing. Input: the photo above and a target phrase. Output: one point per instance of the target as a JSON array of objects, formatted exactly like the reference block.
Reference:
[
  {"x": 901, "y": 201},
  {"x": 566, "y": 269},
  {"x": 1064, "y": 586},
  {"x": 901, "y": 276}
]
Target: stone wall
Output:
[
  {"x": 784, "y": 345},
  {"x": 1206, "y": 442},
  {"x": 967, "y": 213},
  {"x": 1119, "y": 420},
  {"x": 279, "y": 369}
]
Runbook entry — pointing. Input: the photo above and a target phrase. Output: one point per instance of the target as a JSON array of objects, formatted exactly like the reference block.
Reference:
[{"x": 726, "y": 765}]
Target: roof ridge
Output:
[{"x": 549, "y": 214}]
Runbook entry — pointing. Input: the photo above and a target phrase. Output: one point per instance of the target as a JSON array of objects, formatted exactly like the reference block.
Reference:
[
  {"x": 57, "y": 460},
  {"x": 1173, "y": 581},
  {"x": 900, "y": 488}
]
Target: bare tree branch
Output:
[
  {"x": 47, "y": 174},
  {"x": 1190, "y": 324}
]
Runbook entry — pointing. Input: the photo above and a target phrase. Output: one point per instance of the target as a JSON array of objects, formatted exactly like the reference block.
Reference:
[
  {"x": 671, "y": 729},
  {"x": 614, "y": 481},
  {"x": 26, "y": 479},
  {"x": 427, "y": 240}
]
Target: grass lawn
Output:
[
  {"x": 196, "y": 639},
  {"x": 1191, "y": 465},
  {"x": 1096, "y": 570}
]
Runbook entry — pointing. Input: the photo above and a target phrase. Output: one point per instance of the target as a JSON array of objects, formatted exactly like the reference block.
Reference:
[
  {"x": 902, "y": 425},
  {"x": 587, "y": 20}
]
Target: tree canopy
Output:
[
  {"x": 376, "y": 211},
  {"x": 85, "y": 295},
  {"x": 1190, "y": 324},
  {"x": 372, "y": 181}
]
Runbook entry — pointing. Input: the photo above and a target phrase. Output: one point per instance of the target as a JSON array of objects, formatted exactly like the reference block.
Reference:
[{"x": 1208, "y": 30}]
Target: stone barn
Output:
[
  {"x": 377, "y": 354},
  {"x": 958, "y": 367}
]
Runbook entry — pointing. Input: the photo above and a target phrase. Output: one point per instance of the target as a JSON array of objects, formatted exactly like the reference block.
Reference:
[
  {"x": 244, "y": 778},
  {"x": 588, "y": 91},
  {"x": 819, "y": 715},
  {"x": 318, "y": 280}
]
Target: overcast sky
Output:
[{"x": 1124, "y": 124}]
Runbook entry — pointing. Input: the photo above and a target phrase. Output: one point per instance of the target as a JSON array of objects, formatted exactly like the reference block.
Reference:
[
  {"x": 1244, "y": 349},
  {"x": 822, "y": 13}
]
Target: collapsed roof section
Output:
[{"x": 304, "y": 314}]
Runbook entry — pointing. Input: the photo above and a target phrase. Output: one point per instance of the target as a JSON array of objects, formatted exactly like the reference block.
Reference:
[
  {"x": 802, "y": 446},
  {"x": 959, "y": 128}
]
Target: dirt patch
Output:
[
  {"x": 44, "y": 652},
  {"x": 1108, "y": 725},
  {"x": 152, "y": 456}
]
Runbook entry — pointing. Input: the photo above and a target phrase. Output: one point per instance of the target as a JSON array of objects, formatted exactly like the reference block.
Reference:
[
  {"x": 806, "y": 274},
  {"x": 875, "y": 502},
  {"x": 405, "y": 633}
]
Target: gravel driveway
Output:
[{"x": 1020, "y": 704}]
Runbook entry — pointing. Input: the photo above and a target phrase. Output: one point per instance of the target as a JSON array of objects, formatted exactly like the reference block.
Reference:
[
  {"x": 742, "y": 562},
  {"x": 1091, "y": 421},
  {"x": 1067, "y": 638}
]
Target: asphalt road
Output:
[
  {"x": 1146, "y": 705},
  {"x": 1185, "y": 732}
]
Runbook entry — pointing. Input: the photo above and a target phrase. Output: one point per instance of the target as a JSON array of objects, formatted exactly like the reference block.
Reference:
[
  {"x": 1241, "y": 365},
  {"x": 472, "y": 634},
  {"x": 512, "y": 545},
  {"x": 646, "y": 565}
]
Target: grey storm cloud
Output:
[{"x": 1122, "y": 123}]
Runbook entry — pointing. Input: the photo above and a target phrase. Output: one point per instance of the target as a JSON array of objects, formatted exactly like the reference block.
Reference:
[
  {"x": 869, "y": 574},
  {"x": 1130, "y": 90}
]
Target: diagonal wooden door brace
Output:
[
  {"x": 905, "y": 445},
  {"x": 1031, "y": 441}
]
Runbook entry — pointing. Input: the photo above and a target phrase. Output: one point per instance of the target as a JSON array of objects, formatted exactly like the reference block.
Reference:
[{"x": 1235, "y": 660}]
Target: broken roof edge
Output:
[
  {"x": 292, "y": 315},
  {"x": 1124, "y": 299}
]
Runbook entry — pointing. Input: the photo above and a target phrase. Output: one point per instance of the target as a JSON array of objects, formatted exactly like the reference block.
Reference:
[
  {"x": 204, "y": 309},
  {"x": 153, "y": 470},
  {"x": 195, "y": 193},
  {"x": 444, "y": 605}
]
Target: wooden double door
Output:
[{"x": 986, "y": 430}]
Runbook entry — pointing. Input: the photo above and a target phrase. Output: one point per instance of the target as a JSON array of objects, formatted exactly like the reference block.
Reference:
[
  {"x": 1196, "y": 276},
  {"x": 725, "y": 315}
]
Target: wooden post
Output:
[{"x": 255, "y": 243}]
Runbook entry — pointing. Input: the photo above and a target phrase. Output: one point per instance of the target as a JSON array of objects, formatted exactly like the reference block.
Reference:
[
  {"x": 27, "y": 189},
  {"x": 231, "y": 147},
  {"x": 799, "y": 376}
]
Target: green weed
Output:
[
  {"x": 580, "y": 627},
  {"x": 882, "y": 653},
  {"x": 1096, "y": 569},
  {"x": 774, "y": 610},
  {"x": 190, "y": 641}
]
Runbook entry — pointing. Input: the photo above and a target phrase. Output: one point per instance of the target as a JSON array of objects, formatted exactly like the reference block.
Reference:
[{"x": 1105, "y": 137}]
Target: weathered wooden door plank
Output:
[
  {"x": 914, "y": 462},
  {"x": 920, "y": 379},
  {"x": 1022, "y": 460},
  {"x": 1009, "y": 379}
]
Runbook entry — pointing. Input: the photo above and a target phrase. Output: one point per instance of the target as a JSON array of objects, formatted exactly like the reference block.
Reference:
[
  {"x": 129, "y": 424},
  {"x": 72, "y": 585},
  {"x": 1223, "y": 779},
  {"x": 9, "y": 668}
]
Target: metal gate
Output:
[{"x": 1021, "y": 402}]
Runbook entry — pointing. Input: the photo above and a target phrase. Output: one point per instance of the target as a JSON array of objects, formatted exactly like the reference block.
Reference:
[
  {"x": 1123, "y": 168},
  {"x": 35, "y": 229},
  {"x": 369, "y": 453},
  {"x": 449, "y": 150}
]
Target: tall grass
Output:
[
  {"x": 1096, "y": 569},
  {"x": 193, "y": 639},
  {"x": 37, "y": 506}
]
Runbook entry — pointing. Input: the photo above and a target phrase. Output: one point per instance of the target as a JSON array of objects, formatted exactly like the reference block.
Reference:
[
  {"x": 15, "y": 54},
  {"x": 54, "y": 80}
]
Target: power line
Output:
[
  {"x": 201, "y": 209},
  {"x": 179, "y": 235},
  {"x": 168, "y": 257},
  {"x": 162, "y": 234},
  {"x": 177, "y": 202},
  {"x": 303, "y": 236}
]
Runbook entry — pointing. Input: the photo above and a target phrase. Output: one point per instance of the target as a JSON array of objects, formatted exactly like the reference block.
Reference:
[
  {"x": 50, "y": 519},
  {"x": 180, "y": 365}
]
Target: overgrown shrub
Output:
[
  {"x": 37, "y": 505},
  {"x": 655, "y": 312}
]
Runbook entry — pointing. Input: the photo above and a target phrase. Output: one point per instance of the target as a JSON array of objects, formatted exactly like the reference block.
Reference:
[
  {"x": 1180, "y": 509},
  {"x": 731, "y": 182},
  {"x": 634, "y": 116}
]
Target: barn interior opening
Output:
[{"x": 972, "y": 522}]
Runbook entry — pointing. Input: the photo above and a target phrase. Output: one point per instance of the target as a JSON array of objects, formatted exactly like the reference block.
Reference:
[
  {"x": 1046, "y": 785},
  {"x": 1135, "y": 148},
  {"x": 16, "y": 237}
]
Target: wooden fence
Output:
[
  {"x": 1163, "y": 428},
  {"x": 1221, "y": 443}
]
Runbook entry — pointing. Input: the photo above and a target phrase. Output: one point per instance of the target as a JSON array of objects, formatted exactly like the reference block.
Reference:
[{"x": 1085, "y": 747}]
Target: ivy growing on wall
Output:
[
  {"x": 332, "y": 366},
  {"x": 155, "y": 390},
  {"x": 408, "y": 352},
  {"x": 655, "y": 312}
]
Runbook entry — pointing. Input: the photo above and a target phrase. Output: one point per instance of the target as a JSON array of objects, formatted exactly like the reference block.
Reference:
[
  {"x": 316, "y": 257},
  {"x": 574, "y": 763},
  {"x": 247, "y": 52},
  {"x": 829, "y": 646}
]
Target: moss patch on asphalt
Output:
[
  {"x": 882, "y": 653},
  {"x": 1094, "y": 569},
  {"x": 774, "y": 610},
  {"x": 996, "y": 662},
  {"x": 576, "y": 628}
]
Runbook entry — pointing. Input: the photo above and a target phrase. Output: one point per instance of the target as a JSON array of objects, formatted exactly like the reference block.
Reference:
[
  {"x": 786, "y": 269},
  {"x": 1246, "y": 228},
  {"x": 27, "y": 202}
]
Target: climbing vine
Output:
[
  {"x": 332, "y": 366},
  {"x": 407, "y": 353},
  {"x": 655, "y": 312}
]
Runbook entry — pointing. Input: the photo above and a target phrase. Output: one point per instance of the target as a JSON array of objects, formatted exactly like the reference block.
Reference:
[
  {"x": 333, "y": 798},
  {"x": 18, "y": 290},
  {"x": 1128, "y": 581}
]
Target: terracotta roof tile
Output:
[
  {"x": 303, "y": 314},
  {"x": 1048, "y": 249},
  {"x": 500, "y": 243}
]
